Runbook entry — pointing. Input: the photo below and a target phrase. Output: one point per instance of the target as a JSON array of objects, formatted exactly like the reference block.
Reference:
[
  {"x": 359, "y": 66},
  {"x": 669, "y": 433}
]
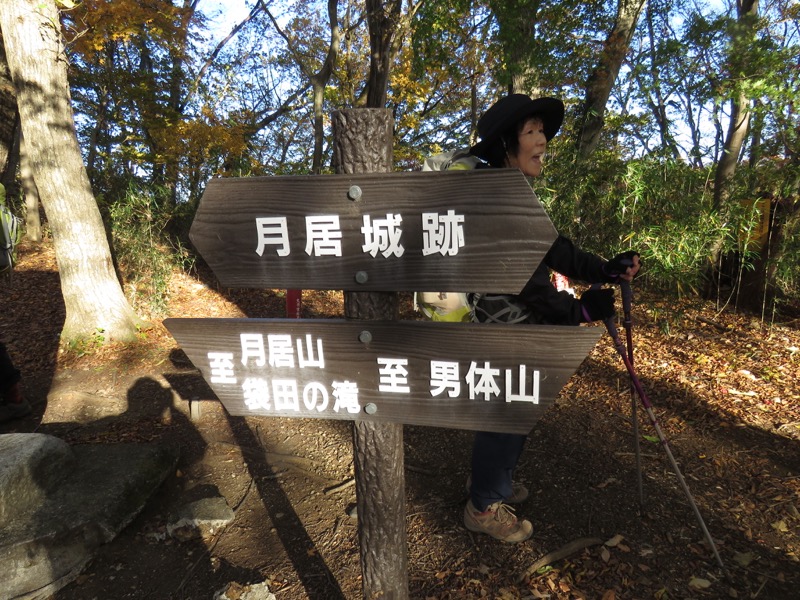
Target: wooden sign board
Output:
[
  {"x": 485, "y": 377},
  {"x": 479, "y": 231}
]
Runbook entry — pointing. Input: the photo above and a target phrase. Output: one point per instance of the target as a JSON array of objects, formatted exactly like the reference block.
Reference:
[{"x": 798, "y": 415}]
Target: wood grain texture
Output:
[
  {"x": 362, "y": 141},
  {"x": 506, "y": 231},
  {"x": 556, "y": 352}
]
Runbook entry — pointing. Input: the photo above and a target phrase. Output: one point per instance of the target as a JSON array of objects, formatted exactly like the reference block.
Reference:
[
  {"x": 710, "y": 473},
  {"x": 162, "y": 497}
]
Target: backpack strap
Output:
[
  {"x": 10, "y": 230},
  {"x": 455, "y": 160},
  {"x": 498, "y": 308}
]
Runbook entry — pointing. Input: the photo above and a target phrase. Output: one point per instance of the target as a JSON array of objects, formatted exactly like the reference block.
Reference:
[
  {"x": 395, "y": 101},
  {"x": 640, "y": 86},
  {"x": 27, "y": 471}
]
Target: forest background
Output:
[{"x": 681, "y": 135}]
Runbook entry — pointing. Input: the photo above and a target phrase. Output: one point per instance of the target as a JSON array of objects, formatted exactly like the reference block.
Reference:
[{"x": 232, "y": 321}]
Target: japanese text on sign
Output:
[
  {"x": 445, "y": 379},
  {"x": 441, "y": 234}
]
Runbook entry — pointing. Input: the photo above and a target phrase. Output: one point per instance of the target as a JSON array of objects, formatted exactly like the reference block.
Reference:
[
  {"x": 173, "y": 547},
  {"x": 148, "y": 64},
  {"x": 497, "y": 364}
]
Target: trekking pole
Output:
[
  {"x": 612, "y": 330},
  {"x": 627, "y": 303}
]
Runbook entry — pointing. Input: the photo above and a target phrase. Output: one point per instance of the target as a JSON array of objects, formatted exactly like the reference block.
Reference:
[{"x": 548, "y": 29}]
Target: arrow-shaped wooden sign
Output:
[
  {"x": 459, "y": 375},
  {"x": 478, "y": 231}
]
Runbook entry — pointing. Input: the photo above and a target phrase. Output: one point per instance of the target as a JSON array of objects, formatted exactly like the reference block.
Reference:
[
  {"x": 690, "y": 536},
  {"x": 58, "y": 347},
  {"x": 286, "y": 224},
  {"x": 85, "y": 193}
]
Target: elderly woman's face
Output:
[{"x": 532, "y": 145}]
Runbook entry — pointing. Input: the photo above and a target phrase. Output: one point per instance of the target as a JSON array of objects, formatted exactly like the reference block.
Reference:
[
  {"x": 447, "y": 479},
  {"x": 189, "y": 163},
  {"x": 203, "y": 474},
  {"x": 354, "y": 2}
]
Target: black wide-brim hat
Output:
[{"x": 508, "y": 111}]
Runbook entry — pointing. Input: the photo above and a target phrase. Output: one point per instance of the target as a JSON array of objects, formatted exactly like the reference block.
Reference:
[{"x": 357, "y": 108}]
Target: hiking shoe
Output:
[
  {"x": 14, "y": 410},
  {"x": 498, "y": 521},
  {"x": 519, "y": 493}
]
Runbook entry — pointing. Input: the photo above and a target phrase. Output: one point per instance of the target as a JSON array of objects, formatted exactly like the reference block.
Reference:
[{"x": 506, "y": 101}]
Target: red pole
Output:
[{"x": 294, "y": 301}]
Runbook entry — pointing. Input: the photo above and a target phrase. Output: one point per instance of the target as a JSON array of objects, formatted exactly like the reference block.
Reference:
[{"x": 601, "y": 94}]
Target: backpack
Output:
[
  {"x": 455, "y": 160},
  {"x": 453, "y": 307},
  {"x": 10, "y": 232},
  {"x": 447, "y": 306}
]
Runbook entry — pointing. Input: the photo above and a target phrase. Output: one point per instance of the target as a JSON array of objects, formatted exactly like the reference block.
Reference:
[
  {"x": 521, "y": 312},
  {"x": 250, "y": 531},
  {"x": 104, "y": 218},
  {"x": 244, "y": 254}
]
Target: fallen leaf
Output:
[
  {"x": 743, "y": 559},
  {"x": 698, "y": 583},
  {"x": 780, "y": 526},
  {"x": 614, "y": 541},
  {"x": 738, "y": 393},
  {"x": 605, "y": 554},
  {"x": 609, "y": 595}
]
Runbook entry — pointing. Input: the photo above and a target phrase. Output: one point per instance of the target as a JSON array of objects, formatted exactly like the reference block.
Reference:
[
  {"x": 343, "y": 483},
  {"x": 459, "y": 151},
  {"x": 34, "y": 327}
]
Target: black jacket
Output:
[{"x": 539, "y": 301}]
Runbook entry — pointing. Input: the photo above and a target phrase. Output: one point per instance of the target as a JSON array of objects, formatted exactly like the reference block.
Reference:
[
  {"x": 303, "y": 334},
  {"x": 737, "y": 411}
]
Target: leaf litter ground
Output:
[{"x": 725, "y": 390}]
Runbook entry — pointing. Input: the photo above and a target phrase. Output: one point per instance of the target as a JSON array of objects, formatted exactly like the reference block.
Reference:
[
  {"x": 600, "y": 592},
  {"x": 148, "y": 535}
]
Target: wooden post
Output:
[
  {"x": 362, "y": 144},
  {"x": 294, "y": 302}
]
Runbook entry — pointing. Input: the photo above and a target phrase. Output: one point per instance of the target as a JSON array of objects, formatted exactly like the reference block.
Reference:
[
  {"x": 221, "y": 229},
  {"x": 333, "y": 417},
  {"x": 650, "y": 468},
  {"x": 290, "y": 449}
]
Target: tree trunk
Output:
[
  {"x": 517, "y": 22},
  {"x": 9, "y": 123},
  {"x": 33, "y": 222},
  {"x": 95, "y": 304},
  {"x": 319, "y": 82},
  {"x": 384, "y": 24},
  {"x": 362, "y": 141},
  {"x": 740, "y": 112},
  {"x": 598, "y": 88},
  {"x": 658, "y": 104}
]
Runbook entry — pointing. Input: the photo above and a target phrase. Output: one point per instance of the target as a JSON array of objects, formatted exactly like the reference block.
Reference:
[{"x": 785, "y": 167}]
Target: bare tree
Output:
[{"x": 95, "y": 304}]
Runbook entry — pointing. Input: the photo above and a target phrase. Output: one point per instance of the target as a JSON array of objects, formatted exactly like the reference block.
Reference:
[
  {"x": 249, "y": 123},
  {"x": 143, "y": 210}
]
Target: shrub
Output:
[{"x": 146, "y": 255}]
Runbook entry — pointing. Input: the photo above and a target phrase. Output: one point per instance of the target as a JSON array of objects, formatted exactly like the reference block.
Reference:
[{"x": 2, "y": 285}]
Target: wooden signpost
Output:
[
  {"x": 459, "y": 231},
  {"x": 458, "y": 375},
  {"x": 477, "y": 231},
  {"x": 371, "y": 235}
]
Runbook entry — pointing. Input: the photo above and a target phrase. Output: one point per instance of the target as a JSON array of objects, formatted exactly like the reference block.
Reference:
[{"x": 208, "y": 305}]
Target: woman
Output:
[{"x": 514, "y": 133}]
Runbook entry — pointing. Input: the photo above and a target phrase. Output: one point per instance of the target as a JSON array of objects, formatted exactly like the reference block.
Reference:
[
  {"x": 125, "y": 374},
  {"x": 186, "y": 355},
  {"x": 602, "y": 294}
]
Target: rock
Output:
[
  {"x": 80, "y": 407},
  {"x": 71, "y": 510},
  {"x": 201, "y": 518},
  {"x": 236, "y": 591},
  {"x": 33, "y": 465}
]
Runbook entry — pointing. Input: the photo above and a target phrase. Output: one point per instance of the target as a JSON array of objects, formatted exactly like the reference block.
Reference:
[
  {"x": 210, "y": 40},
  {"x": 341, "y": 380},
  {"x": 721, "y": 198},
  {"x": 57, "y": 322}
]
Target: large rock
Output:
[
  {"x": 33, "y": 466},
  {"x": 62, "y": 503}
]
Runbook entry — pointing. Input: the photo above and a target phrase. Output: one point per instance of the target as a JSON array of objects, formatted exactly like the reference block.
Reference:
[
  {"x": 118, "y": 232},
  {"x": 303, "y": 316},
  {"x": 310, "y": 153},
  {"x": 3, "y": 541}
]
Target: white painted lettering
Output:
[
  {"x": 383, "y": 235},
  {"x": 482, "y": 380},
  {"x": 444, "y": 377},
  {"x": 346, "y": 394},
  {"x": 272, "y": 231},
  {"x": 393, "y": 375},
  {"x": 221, "y": 365},
  {"x": 323, "y": 236}
]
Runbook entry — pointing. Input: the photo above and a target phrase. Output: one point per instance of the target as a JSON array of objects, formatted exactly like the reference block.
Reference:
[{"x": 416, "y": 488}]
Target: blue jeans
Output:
[{"x": 494, "y": 459}]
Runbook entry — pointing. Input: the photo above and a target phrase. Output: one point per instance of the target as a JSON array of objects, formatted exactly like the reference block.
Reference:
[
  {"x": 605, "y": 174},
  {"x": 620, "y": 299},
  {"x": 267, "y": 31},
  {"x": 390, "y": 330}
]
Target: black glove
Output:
[
  {"x": 619, "y": 265},
  {"x": 597, "y": 305}
]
